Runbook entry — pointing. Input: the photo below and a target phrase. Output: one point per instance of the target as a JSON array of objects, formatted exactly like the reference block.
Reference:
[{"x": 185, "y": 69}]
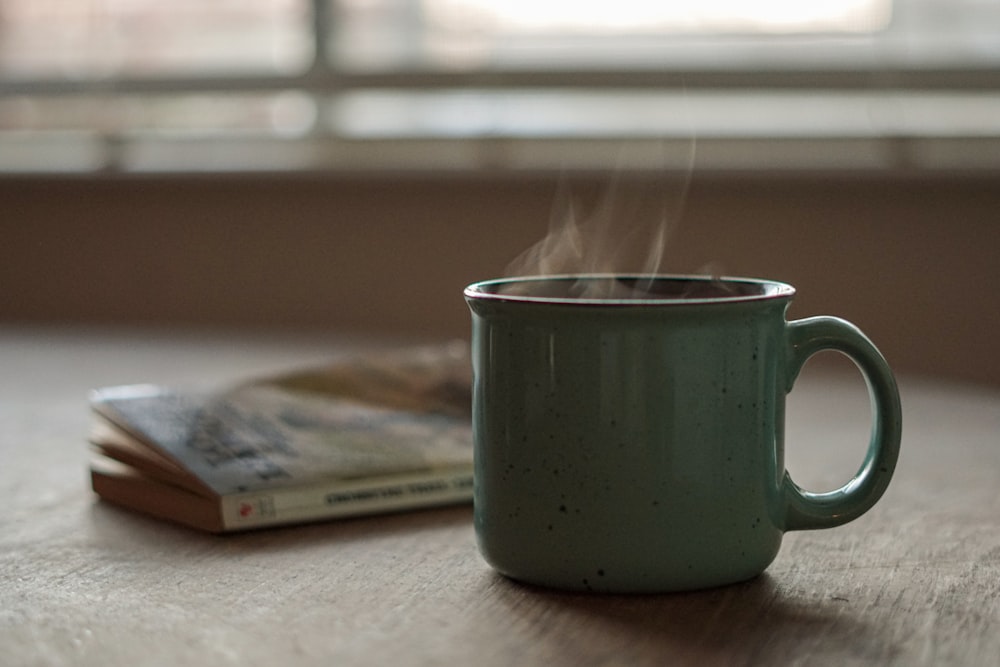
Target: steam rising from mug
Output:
[{"x": 626, "y": 232}]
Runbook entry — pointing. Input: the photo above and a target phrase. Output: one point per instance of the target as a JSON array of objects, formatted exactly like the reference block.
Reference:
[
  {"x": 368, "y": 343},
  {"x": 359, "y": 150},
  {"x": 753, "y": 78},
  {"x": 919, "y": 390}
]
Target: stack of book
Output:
[{"x": 366, "y": 434}]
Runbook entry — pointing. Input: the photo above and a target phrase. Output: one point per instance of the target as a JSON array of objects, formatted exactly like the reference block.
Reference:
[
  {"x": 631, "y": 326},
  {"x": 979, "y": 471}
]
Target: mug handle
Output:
[{"x": 805, "y": 510}]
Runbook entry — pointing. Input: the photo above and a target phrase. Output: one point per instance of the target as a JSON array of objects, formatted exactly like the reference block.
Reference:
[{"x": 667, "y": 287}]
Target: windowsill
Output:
[
  {"x": 395, "y": 131},
  {"x": 83, "y": 155}
]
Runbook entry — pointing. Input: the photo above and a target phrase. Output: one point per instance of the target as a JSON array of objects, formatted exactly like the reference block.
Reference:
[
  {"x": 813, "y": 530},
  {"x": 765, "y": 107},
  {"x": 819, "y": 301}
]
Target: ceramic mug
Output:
[{"x": 628, "y": 430}]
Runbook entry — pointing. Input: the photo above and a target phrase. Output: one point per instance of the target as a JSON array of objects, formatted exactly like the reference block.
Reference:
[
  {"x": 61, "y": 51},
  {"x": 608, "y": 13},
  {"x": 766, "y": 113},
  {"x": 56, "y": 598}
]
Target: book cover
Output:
[{"x": 366, "y": 434}]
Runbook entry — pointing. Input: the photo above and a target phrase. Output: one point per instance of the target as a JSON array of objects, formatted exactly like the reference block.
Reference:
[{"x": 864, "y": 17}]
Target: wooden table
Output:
[{"x": 916, "y": 581}]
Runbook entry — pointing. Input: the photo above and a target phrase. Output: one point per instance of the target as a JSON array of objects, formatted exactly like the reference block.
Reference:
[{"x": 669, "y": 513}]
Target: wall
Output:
[{"x": 912, "y": 261}]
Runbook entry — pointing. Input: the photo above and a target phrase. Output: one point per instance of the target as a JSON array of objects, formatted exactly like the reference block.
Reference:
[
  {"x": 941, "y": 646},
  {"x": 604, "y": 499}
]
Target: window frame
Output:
[{"x": 325, "y": 147}]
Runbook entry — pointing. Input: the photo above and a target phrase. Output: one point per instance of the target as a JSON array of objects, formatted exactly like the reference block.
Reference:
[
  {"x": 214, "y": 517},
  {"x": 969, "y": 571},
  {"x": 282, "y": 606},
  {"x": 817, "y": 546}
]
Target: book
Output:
[{"x": 365, "y": 434}]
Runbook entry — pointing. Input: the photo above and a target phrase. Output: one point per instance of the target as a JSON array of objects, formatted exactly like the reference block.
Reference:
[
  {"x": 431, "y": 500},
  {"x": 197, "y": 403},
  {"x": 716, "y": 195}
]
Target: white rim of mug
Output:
[{"x": 770, "y": 289}]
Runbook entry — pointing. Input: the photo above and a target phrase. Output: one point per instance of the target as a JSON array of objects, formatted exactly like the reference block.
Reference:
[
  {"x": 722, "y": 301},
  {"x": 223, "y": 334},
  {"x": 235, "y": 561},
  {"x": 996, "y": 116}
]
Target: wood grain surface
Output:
[{"x": 916, "y": 581}]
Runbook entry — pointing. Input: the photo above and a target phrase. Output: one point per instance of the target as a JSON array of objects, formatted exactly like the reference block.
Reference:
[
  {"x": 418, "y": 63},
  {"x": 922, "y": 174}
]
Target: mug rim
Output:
[{"x": 769, "y": 289}]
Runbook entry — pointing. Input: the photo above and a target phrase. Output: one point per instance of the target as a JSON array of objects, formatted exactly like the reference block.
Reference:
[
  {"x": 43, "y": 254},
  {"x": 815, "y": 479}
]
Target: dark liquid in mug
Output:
[{"x": 629, "y": 287}]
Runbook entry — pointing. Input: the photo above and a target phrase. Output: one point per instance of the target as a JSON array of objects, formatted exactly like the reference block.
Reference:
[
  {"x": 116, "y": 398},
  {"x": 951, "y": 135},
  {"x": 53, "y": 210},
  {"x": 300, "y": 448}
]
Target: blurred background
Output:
[{"x": 352, "y": 164}]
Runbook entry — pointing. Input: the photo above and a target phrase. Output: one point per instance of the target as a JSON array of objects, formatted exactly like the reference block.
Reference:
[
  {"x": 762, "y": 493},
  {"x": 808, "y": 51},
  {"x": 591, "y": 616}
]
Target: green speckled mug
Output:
[{"x": 628, "y": 430}]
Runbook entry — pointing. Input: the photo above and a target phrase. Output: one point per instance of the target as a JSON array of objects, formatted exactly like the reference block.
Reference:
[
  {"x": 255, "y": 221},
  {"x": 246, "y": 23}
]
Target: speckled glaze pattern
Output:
[{"x": 637, "y": 446}]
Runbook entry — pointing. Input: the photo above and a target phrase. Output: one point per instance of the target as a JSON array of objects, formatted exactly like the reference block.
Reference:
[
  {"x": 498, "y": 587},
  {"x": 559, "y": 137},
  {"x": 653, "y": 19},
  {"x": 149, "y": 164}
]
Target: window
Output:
[{"x": 143, "y": 85}]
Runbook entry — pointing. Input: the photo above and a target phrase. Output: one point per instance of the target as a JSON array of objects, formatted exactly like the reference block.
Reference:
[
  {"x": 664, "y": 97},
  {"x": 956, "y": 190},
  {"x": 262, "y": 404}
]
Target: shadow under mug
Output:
[{"x": 628, "y": 430}]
